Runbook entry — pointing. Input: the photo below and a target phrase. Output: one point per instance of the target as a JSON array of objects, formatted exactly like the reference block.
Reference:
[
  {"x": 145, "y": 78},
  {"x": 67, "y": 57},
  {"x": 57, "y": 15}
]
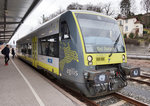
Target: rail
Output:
[
  {"x": 129, "y": 99},
  {"x": 142, "y": 79}
]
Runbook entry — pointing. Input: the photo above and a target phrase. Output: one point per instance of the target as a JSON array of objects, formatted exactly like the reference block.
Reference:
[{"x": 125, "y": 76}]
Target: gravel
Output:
[
  {"x": 137, "y": 91},
  {"x": 109, "y": 101}
]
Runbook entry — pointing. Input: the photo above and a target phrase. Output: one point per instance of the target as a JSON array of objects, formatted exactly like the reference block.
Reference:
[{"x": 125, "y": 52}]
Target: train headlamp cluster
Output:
[
  {"x": 90, "y": 58},
  {"x": 90, "y": 62}
]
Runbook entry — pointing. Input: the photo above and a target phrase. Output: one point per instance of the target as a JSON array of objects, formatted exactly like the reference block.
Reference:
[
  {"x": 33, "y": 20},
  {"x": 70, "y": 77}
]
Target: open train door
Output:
[{"x": 34, "y": 51}]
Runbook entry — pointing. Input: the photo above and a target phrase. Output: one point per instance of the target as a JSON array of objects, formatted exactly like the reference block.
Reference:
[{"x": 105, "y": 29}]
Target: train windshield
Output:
[{"x": 100, "y": 34}]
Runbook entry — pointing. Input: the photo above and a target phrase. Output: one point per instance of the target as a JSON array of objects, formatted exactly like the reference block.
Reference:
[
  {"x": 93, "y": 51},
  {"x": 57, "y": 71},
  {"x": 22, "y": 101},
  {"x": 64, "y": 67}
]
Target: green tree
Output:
[{"x": 131, "y": 35}]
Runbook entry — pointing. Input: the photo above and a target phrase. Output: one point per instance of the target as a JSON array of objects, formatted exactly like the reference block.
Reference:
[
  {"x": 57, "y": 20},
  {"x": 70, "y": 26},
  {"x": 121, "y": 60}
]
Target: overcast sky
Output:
[{"x": 48, "y": 7}]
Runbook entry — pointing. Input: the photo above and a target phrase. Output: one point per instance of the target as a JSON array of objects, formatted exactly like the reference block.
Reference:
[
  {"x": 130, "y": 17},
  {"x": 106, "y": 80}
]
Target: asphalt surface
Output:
[{"x": 21, "y": 85}]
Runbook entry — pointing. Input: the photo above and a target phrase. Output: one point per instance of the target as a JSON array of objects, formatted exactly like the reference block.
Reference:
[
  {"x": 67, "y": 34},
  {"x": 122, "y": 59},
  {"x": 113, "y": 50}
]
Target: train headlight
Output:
[
  {"x": 90, "y": 62},
  {"x": 123, "y": 58},
  {"x": 135, "y": 72},
  {"x": 89, "y": 58}
]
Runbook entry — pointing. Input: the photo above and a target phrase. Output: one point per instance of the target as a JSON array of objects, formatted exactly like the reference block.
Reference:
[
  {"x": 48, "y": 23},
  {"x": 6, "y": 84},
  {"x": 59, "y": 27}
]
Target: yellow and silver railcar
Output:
[{"x": 83, "y": 49}]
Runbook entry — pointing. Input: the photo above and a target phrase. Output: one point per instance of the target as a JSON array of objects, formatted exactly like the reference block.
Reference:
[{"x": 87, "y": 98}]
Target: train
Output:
[{"x": 84, "y": 50}]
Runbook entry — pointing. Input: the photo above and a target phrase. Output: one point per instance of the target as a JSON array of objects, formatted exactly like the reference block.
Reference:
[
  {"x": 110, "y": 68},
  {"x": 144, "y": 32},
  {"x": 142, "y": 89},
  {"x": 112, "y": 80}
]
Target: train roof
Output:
[
  {"x": 39, "y": 27},
  {"x": 57, "y": 17},
  {"x": 91, "y": 12}
]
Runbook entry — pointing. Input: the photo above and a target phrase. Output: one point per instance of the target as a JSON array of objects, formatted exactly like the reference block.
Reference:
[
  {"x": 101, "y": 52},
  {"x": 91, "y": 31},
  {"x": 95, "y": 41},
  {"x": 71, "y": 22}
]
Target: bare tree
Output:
[
  {"x": 99, "y": 8},
  {"x": 44, "y": 19},
  {"x": 74, "y": 6},
  {"x": 133, "y": 6},
  {"x": 89, "y": 7},
  {"x": 56, "y": 13},
  {"x": 108, "y": 10},
  {"x": 125, "y": 7},
  {"x": 146, "y": 5}
]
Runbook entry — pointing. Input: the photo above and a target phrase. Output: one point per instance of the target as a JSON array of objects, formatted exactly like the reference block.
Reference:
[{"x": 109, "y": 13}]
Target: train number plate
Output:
[{"x": 100, "y": 59}]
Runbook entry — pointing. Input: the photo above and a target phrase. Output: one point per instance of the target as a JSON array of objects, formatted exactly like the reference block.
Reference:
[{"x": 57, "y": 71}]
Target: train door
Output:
[
  {"x": 34, "y": 51},
  {"x": 64, "y": 44}
]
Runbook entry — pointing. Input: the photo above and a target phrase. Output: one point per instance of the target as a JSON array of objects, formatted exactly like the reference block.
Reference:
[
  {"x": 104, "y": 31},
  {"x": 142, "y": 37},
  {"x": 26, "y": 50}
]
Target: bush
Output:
[
  {"x": 131, "y": 35},
  {"x": 125, "y": 36},
  {"x": 144, "y": 32}
]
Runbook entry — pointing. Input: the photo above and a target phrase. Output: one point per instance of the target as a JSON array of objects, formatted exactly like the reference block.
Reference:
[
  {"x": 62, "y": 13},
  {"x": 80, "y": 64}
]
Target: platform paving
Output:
[{"x": 21, "y": 85}]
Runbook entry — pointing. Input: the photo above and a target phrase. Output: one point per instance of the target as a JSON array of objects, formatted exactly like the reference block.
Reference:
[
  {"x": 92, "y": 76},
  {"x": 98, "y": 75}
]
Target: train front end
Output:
[{"x": 105, "y": 66}]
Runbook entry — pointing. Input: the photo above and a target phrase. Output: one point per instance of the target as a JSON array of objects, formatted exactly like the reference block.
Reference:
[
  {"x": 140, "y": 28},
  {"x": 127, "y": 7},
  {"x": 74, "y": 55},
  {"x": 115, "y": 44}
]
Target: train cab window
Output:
[{"x": 65, "y": 33}]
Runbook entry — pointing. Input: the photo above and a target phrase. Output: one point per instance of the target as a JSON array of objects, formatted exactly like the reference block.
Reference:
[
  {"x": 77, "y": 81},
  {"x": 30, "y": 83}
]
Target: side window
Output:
[
  {"x": 126, "y": 28},
  {"x": 120, "y": 22},
  {"x": 29, "y": 48},
  {"x": 65, "y": 33},
  {"x": 44, "y": 46},
  {"x": 24, "y": 48},
  {"x": 49, "y": 46}
]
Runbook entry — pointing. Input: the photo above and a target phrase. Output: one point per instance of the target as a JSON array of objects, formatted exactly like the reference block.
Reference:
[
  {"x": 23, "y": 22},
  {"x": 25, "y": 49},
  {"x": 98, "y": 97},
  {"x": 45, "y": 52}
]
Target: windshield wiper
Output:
[{"x": 114, "y": 46}]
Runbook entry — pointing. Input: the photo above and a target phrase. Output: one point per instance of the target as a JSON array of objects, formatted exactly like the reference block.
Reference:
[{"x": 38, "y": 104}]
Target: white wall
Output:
[
  {"x": 128, "y": 25},
  {"x": 140, "y": 26}
]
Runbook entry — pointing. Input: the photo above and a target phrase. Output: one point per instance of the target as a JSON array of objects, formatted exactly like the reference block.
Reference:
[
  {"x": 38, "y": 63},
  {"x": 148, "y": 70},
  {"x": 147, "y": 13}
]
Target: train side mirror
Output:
[{"x": 135, "y": 72}]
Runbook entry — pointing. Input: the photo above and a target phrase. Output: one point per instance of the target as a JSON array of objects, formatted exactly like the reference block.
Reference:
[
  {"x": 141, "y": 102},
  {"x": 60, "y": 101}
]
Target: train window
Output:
[
  {"x": 25, "y": 46},
  {"x": 49, "y": 46},
  {"x": 29, "y": 48},
  {"x": 44, "y": 46},
  {"x": 24, "y": 49},
  {"x": 65, "y": 33}
]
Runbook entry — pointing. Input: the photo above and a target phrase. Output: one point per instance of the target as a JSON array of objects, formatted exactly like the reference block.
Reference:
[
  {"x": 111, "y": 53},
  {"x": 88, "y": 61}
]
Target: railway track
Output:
[
  {"x": 121, "y": 99},
  {"x": 118, "y": 98},
  {"x": 143, "y": 79},
  {"x": 130, "y": 100}
]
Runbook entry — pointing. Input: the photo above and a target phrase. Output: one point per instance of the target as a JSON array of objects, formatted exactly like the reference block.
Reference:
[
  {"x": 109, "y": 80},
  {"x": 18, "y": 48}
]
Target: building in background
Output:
[{"x": 130, "y": 25}]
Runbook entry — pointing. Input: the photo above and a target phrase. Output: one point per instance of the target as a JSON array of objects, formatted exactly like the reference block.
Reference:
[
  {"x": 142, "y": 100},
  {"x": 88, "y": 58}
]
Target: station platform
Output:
[{"x": 21, "y": 85}]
